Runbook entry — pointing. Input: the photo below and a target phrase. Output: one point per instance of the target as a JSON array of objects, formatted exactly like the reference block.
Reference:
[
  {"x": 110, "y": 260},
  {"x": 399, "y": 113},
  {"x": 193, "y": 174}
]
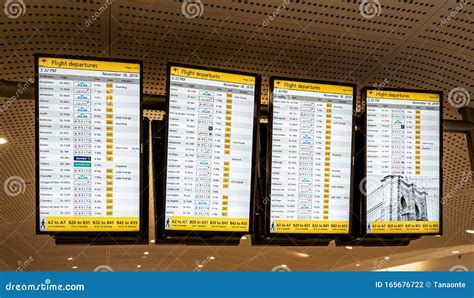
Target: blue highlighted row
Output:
[
  {"x": 82, "y": 158},
  {"x": 82, "y": 164}
]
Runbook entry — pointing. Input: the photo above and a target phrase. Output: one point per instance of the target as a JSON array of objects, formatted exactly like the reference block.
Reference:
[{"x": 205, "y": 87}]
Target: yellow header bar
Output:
[
  {"x": 400, "y": 95},
  {"x": 212, "y": 75},
  {"x": 88, "y": 65},
  {"x": 313, "y": 87}
]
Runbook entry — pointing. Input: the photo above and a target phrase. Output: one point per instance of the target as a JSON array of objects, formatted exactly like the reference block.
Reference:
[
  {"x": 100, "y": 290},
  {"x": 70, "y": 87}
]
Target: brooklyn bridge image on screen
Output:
[{"x": 397, "y": 199}]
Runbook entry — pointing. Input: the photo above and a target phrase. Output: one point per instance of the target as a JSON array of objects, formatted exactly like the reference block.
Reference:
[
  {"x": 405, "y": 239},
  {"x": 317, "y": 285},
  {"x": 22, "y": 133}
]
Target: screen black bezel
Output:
[
  {"x": 364, "y": 130},
  {"x": 162, "y": 233},
  {"x": 269, "y": 158},
  {"x": 143, "y": 204}
]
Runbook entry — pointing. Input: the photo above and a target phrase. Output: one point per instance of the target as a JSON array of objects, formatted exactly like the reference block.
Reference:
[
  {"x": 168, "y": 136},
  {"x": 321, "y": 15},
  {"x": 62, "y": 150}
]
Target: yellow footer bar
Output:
[
  {"x": 223, "y": 224},
  {"x": 312, "y": 226},
  {"x": 404, "y": 227},
  {"x": 92, "y": 224}
]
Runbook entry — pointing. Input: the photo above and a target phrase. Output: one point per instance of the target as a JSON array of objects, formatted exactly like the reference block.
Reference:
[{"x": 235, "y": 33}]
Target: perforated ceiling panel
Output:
[{"x": 411, "y": 44}]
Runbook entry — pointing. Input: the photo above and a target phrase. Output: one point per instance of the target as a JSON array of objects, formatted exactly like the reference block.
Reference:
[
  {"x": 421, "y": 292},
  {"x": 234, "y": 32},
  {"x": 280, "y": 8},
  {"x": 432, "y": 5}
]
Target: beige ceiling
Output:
[{"x": 405, "y": 46}]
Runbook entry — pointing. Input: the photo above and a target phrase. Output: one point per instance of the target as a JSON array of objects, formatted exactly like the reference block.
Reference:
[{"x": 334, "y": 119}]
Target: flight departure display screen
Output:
[
  {"x": 210, "y": 150},
  {"x": 88, "y": 146},
  {"x": 311, "y": 157},
  {"x": 403, "y": 162}
]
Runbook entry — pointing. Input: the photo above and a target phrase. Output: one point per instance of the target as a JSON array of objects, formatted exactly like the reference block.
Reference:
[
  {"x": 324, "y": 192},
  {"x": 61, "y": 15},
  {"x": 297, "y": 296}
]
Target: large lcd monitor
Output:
[
  {"x": 88, "y": 145},
  {"x": 311, "y": 140},
  {"x": 210, "y": 151},
  {"x": 403, "y": 183}
]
